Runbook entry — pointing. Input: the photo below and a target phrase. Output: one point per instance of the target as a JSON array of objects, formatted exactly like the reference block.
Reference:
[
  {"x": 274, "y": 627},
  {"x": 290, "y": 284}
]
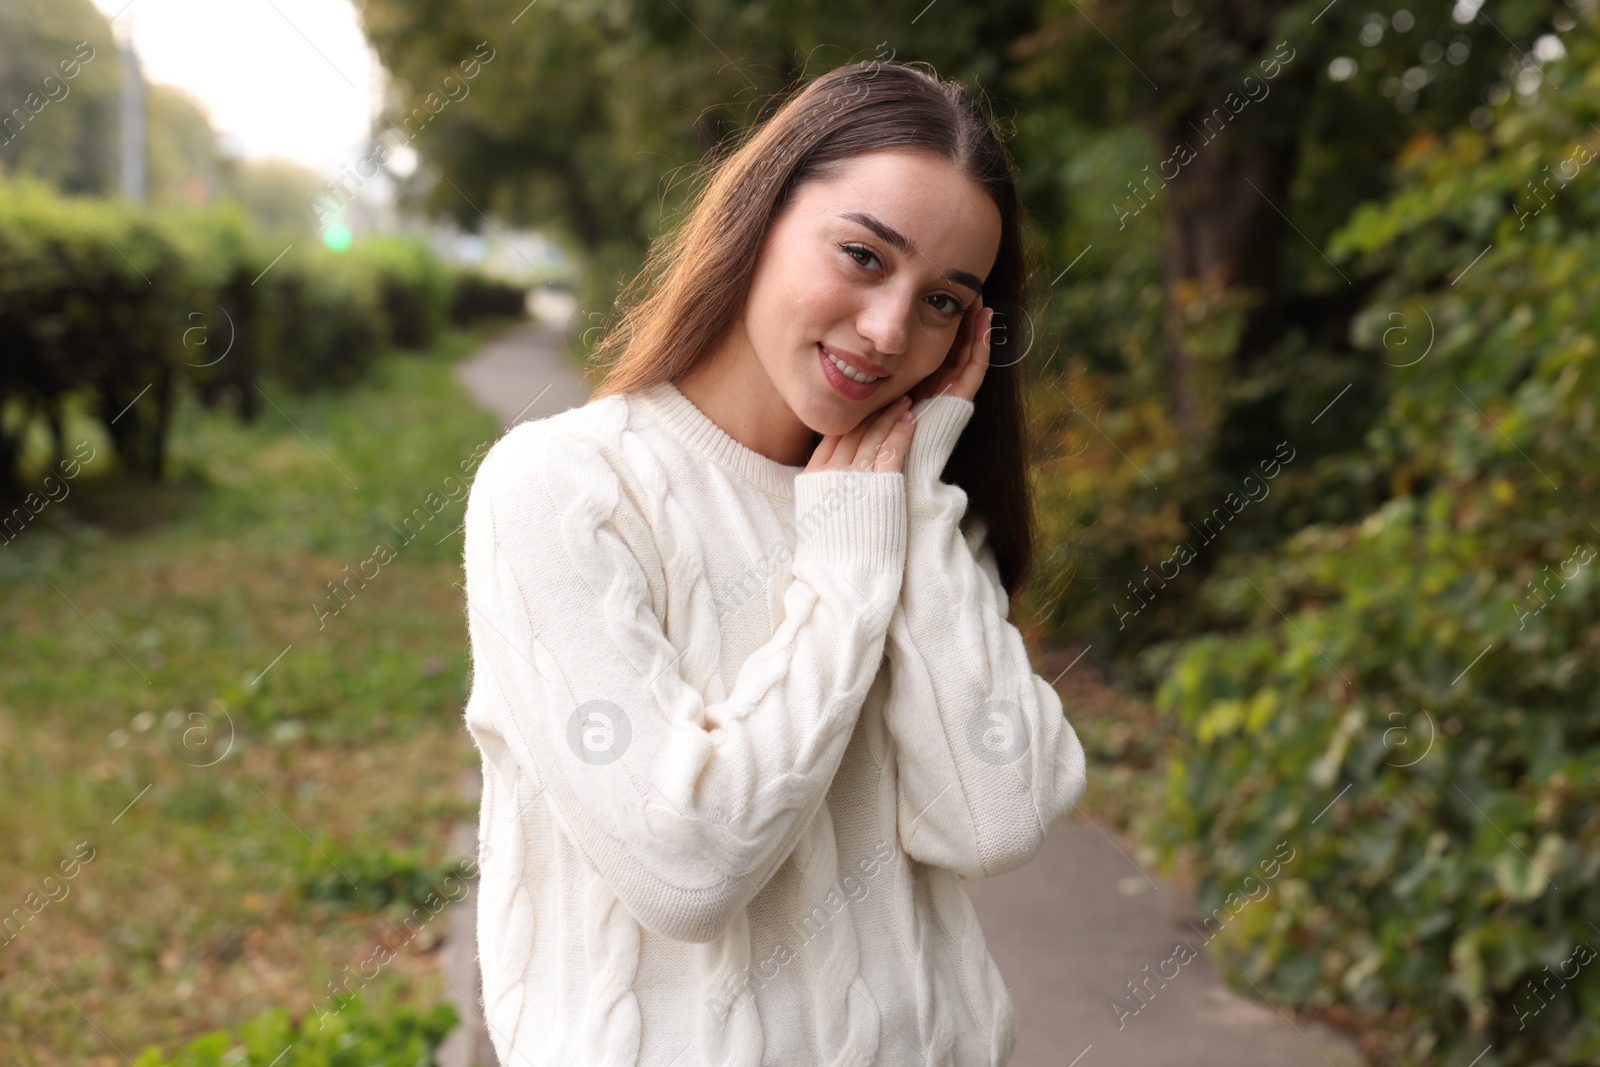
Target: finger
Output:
[
  {"x": 873, "y": 432},
  {"x": 850, "y": 444},
  {"x": 897, "y": 445},
  {"x": 986, "y": 339},
  {"x": 975, "y": 361},
  {"x": 952, "y": 372},
  {"x": 869, "y": 455},
  {"x": 822, "y": 455},
  {"x": 969, "y": 320},
  {"x": 956, "y": 357},
  {"x": 978, "y": 356}
]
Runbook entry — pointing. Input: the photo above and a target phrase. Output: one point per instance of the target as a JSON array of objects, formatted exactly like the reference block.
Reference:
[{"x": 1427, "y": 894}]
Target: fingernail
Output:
[{"x": 906, "y": 416}]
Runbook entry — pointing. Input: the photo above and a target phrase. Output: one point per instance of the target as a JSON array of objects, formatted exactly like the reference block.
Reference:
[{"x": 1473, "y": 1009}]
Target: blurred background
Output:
[{"x": 1313, "y": 381}]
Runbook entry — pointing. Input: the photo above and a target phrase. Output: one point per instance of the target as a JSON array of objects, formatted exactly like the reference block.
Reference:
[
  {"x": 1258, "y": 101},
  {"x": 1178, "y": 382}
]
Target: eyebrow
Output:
[{"x": 903, "y": 245}]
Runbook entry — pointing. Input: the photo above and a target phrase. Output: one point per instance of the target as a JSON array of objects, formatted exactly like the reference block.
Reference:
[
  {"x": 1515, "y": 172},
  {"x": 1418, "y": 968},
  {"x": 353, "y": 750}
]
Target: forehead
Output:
[{"x": 947, "y": 216}]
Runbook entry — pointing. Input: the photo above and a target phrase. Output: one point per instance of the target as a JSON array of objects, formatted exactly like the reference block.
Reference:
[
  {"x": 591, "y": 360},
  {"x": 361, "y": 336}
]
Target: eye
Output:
[{"x": 863, "y": 256}]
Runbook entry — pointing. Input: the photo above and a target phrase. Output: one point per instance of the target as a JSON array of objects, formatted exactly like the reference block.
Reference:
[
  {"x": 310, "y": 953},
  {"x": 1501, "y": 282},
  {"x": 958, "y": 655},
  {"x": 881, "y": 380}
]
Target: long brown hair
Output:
[{"x": 696, "y": 277}]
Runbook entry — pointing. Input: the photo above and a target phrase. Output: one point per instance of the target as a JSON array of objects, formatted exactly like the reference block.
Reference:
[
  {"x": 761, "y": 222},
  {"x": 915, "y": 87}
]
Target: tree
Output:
[
  {"x": 1261, "y": 126},
  {"x": 59, "y": 83},
  {"x": 184, "y": 164},
  {"x": 1236, "y": 174}
]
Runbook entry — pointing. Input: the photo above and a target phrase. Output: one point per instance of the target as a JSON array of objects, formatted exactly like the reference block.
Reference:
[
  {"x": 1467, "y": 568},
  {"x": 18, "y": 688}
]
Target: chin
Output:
[
  {"x": 822, "y": 419},
  {"x": 829, "y": 413}
]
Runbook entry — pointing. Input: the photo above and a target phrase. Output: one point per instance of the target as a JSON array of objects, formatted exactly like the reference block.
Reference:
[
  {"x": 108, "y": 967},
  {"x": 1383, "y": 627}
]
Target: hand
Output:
[
  {"x": 963, "y": 369},
  {"x": 878, "y": 443}
]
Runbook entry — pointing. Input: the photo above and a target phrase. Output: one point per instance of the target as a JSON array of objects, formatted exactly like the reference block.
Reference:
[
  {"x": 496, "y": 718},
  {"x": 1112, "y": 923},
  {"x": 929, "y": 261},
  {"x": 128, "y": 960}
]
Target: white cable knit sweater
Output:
[{"x": 741, "y": 728}]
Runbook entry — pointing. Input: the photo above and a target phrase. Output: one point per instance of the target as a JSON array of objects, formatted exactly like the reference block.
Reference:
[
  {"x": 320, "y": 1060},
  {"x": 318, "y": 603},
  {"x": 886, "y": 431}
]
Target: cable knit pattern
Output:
[{"x": 741, "y": 727}]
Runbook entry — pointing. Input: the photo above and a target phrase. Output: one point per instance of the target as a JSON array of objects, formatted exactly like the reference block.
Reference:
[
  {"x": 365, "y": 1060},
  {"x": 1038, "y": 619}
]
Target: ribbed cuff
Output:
[
  {"x": 854, "y": 519},
  {"x": 940, "y": 420}
]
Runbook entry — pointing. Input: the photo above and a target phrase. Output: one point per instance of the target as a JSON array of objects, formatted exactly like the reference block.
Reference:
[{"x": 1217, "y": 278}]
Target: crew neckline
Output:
[{"x": 696, "y": 430}]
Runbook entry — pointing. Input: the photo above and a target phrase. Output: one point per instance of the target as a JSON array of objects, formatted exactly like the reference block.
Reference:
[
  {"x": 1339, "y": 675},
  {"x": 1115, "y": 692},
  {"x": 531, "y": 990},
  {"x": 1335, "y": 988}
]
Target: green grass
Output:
[{"x": 172, "y": 695}]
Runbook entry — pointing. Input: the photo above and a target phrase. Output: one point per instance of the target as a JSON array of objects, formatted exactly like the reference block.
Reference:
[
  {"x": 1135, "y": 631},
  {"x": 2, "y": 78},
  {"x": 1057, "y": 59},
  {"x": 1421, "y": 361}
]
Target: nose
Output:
[{"x": 885, "y": 321}]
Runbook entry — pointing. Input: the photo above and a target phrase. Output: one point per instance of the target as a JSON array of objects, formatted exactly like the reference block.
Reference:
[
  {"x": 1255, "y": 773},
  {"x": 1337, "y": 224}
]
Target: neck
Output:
[{"x": 733, "y": 389}]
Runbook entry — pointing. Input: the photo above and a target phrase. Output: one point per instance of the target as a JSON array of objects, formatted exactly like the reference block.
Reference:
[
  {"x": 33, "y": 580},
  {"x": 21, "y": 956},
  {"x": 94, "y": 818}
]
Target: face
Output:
[{"x": 873, "y": 268}]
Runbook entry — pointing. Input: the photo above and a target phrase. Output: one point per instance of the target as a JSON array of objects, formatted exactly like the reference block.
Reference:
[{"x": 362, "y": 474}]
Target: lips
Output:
[
  {"x": 860, "y": 364},
  {"x": 841, "y": 383}
]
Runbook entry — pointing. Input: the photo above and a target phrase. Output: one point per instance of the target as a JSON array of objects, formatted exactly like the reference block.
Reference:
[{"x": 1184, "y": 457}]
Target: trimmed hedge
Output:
[
  {"x": 479, "y": 296},
  {"x": 90, "y": 299},
  {"x": 124, "y": 305},
  {"x": 414, "y": 288}
]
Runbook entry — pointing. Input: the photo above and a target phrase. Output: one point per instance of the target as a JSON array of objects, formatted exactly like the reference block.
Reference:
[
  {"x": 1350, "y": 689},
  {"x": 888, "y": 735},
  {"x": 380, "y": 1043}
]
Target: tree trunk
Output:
[{"x": 1223, "y": 230}]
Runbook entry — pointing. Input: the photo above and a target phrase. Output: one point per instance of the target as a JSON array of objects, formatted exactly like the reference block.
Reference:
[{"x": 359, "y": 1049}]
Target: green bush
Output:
[
  {"x": 414, "y": 288},
  {"x": 90, "y": 301},
  {"x": 1421, "y": 722},
  {"x": 125, "y": 306},
  {"x": 1124, "y": 483},
  {"x": 347, "y": 1034},
  {"x": 327, "y": 324},
  {"x": 225, "y": 337},
  {"x": 476, "y": 296}
]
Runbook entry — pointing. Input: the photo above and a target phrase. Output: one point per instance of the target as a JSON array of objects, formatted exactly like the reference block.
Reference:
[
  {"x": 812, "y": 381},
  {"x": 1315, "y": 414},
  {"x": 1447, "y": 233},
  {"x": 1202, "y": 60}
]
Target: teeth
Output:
[{"x": 847, "y": 370}]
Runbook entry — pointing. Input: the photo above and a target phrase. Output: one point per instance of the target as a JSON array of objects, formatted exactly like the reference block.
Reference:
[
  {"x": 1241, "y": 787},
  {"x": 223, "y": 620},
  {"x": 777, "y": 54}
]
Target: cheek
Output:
[
  {"x": 826, "y": 302},
  {"x": 799, "y": 308},
  {"x": 932, "y": 347}
]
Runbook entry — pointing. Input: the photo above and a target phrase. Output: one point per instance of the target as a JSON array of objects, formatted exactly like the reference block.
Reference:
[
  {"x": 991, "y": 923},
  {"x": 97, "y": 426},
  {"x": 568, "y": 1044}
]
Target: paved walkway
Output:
[{"x": 1068, "y": 931}]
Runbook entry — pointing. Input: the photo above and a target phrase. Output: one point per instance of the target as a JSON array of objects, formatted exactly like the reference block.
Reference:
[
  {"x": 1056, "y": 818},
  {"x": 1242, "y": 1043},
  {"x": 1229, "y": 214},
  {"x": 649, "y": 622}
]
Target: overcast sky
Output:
[{"x": 291, "y": 78}]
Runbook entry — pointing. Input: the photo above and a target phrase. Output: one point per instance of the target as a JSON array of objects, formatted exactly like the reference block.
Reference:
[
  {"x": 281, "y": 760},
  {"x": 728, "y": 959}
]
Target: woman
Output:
[{"x": 747, "y": 697}]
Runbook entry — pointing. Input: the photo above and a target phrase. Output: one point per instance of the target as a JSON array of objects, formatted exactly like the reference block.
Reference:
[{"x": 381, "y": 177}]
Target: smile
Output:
[
  {"x": 847, "y": 370},
  {"x": 846, "y": 380}
]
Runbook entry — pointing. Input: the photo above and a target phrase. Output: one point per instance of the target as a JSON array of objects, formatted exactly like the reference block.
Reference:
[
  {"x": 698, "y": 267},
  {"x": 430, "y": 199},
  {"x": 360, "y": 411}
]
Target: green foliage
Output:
[
  {"x": 1433, "y": 673},
  {"x": 63, "y": 130},
  {"x": 183, "y": 160},
  {"x": 60, "y": 97},
  {"x": 127, "y": 306},
  {"x": 372, "y": 876},
  {"x": 90, "y": 300},
  {"x": 349, "y": 1034},
  {"x": 477, "y": 296},
  {"x": 1267, "y": 346},
  {"x": 414, "y": 287}
]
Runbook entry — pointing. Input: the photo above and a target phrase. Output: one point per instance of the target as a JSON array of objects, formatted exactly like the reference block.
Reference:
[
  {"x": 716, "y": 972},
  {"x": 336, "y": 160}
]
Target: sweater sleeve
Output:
[
  {"x": 684, "y": 805},
  {"x": 986, "y": 761}
]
